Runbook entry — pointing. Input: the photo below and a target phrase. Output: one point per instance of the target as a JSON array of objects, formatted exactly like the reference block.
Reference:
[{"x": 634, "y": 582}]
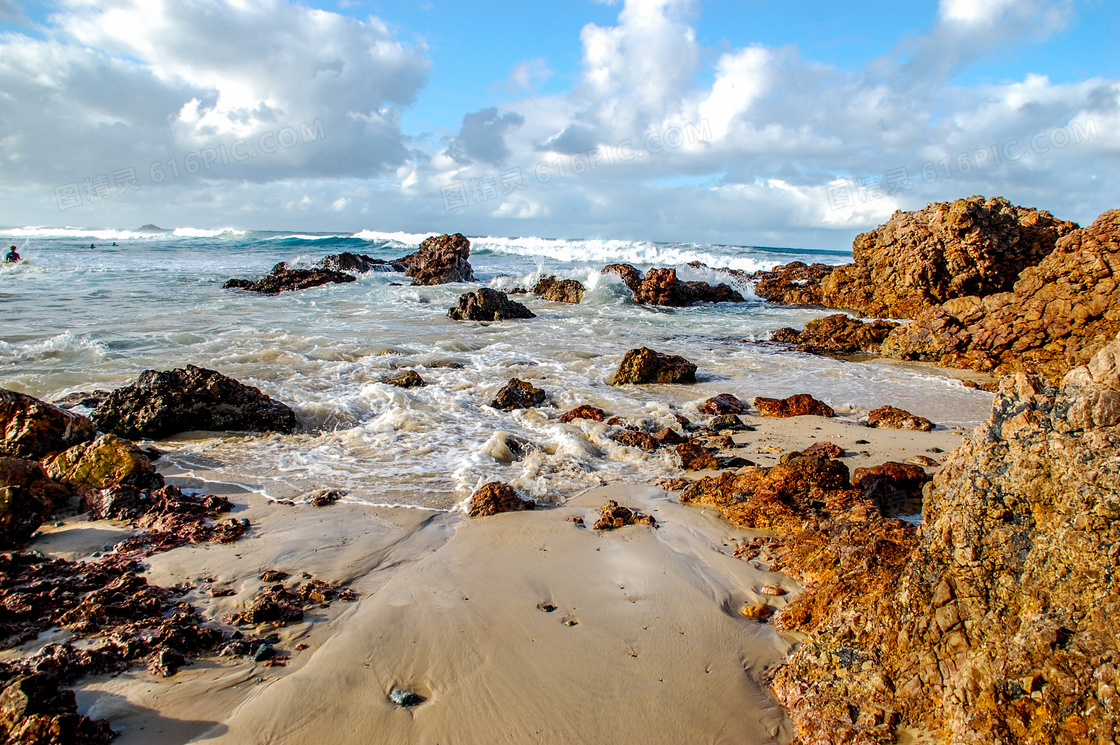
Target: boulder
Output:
[
  {"x": 696, "y": 457},
  {"x": 630, "y": 276},
  {"x": 613, "y": 516},
  {"x": 889, "y": 484},
  {"x": 34, "y": 710},
  {"x": 351, "y": 262},
  {"x": 104, "y": 462},
  {"x": 440, "y": 260},
  {"x": 559, "y": 290},
  {"x": 723, "y": 403},
  {"x": 796, "y": 283},
  {"x": 518, "y": 394},
  {"x": 837, "y": 334},
  {"x": 34, "y": 428},
  {"x": 496, "y": 497},
  {"x": 916, "y": 260},
  {"x": 1056, "y": 317},
  {"x": 800, "y": 404},
  {"x": 661, "y": 287},
  {"x": 283, "y": 279},
  {"x": 583, "y": 412},
  {"x": 890, "y": 417},
  {"x": 404, "y": 379},
  {"x": 27, "y": 498},
  {"x": 647, "y": 366},
  {"x": 488, "y": 305},
  {"x": 160, "y": 404}
]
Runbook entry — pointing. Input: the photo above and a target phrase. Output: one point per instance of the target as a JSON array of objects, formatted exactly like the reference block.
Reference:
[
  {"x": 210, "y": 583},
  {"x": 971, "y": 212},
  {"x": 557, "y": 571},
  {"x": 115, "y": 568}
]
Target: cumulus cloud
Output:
[{"x": 11, "y": 12}]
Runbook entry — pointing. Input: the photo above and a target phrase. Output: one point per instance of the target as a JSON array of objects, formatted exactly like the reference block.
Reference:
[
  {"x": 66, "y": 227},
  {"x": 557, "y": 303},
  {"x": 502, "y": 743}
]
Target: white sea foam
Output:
[{"x": 396, "y": 238}]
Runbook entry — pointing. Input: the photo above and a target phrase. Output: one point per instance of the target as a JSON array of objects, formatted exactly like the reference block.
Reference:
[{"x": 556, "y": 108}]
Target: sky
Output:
[{"x": 743, "y": 122}]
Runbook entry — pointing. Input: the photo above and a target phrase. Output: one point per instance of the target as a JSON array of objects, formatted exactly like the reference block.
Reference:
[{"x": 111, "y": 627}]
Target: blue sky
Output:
[{"x": 796, "y": 123}]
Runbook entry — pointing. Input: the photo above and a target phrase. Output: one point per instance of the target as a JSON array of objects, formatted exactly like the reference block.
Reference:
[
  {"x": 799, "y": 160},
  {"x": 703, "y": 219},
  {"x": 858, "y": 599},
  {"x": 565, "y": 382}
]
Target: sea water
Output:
[{"x": 77, "y": 318}]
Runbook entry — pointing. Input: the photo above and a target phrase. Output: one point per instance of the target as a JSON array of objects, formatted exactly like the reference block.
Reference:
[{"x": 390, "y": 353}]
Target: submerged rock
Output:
[
  {"x": 160, "y": 404},
  {"x": 647, "y": 366},
  {"x": 518, "y": 394},
  {"x": 404, "y": 379},
  {"x": 800, "y": 404},
  {"x": 661, "y": 287},
  {"x": 34, "y": 428},
  {"x": 440, "y": 260},
  {"x": 559, "y": 290},
  {"x": 497, "y": 497},
  {"x": 889, "y": 417},
  {"x": 105, "y": 462},
  {"x": 283, "y": 279},
  {"x": 583, "y": 411},
  {"x": 488, "y": 305}
]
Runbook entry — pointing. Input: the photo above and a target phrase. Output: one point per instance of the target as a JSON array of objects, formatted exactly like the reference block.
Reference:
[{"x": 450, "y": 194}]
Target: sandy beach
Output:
[{"x": 521, "y": 627}]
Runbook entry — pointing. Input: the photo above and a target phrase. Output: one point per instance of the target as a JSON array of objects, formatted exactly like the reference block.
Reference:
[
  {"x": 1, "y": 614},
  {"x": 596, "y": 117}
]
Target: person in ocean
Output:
[{"x": 12, "y": 257}]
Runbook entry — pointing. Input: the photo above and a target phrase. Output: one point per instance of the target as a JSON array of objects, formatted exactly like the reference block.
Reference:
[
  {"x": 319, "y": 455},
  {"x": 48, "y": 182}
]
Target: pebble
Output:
[
  {"x": 773, "y": 590},
  {"x": 263, "y": 653}
]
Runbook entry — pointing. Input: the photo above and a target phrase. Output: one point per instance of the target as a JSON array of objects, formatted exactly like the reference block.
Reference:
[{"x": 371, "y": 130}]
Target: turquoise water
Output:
[{"x": 78, "y": 318}]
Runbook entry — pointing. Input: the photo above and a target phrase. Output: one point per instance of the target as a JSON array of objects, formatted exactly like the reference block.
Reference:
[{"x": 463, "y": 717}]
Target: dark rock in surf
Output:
[{"x": 488, "y": 305}]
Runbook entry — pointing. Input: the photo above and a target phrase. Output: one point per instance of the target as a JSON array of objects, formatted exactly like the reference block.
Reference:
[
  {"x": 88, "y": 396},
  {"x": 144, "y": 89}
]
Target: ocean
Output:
[{"x": 78, "y": 318}]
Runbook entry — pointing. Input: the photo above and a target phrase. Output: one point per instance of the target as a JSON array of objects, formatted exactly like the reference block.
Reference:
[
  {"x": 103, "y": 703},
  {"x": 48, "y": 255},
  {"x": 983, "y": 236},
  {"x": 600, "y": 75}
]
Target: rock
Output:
[
  {"x": 676, "y": 484},
  {"x": 496, "y": 497},
  {"x": 440, "y": 260},
  {"x": 404, "y": 698},
  {"x": 631, "y": 276},
  {"x": 916, "y": 260},
  {"x": 88, "y": 399},
  {"x": 773, "y": 591},
  {"x": 725, "y": 422},
  {"x": 160, "y": 404},
  {"x": 488, "y": 305},
  {"x": 800, "y": 404},
  {"x": 1056, "y": 317},
  {"x": 119, "y": 502},
  {"x": 27, "y": 498},
  {"x": 283, "y": 279},
  {"x": 756, "y": 611},
  {"x": 837, "y": 334},
  {"x": 169, "y": 518},
  {"x": 583, "y": 412},
  {"x": 324, "y": 497},
  {"x": 351, "y": 262},
  {"x": 35, "y": 711},
  {"x": 635, "y": 439},
  {"x": 695, "y": 457},
  {"x": 923, "y": 460},
  {"x": 825, "y": 449},
  {"x": 263, "y": 652},
  {"x": 273, "y": 575},
  {"x": 105, "y": 462},
  {"x": 613, "y": 516},
  {"x": 890, "y": 484},
  {"x": 34, "y": 428},
  {"x": 666, "y": 436},
  {"x": 792, "y": 284},
  {"x": 559, "y": 290},
  {"x": 647, "y": 366},
  {"x": 997, "y": 625},
  {"x": 889, "y": 417},
  {"x": 278, "y": 605},
  {"x": 733, "y": 462},
  {"x": 404, "y": 379},
  {"x": 518, "y": 394},
  {"x": 723, "y": 403}
]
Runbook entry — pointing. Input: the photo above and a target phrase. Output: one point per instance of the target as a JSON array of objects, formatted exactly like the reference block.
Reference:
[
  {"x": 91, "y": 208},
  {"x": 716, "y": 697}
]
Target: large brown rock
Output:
[
  {"x": 583, "y": 411},
  {"x": 631, "y": 276},
  {"x": 27, "y": 498},
  {"x": 891, "y": 417},
  {"x": 916, "y": 260},
  {"x": 518, "y": 394},
  {"x": 723, "y": 403},
  {"x": 559, "y": 290},
  {"x": 837, "y": 334},
  {"x": 488, "y": 305},
  {"x": 440, "y": 260},
  {"x": 283, "y": 279},
  {"x": 796, "y": 283},
  {"x": 647, "y": 366},
  {"x": 496, "y": 497},
  {"x": 160, "y": 404},
  {"x": 1000, "y": 624},
  {"x": 662, "y": 287},
  {"x": 104, "y": 462},
  {"x": 1057, "y": 316},
  {"x": 33, "y": 428},
  {"x": 799, "y": 404}
]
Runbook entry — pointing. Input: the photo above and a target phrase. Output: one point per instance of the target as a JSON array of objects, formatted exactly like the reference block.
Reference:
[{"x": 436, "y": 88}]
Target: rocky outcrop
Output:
[
  {"x": 837, "y": 334},
  {"x": 796, "y": 283},
  {"x": 496, "y": 497},
  {"x": 283, "y": 279},
  {"x": 995, "y": 623},
  {"x": 488, "y": 305},
  {"x": 104, "y": 462},
  {"x": 27, "y": 498},
  {"x": 583, "y": 411},
  {"x": 440, "y": 260},
  {"x": 518, "y": 394},
  {"x": 1056, "y": 317},
  {"x": 360, "y": 263},
  {"x": 799, "y": 404},
  {"x": 647, "y": 366},
  {"x": 559, "y": 290},
  {"x": 34, "y": 428},
  {"x": 890, "y": 417},
  {"x": 916, "y": 260},
  {"x": 723, "y": 403},
  {"x": 661, "y": 287},
  {"x": 160, "y": 404}
]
